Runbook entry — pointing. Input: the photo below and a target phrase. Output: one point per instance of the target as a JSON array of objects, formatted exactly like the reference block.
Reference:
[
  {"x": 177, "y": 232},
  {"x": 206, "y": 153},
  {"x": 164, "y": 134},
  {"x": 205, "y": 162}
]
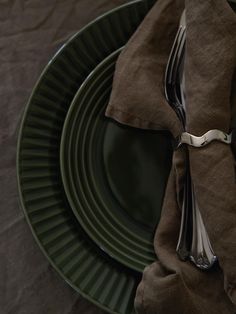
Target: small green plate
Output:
[
  {"x": 114, "y": 176},
  {"x": 79, "y": 260}
]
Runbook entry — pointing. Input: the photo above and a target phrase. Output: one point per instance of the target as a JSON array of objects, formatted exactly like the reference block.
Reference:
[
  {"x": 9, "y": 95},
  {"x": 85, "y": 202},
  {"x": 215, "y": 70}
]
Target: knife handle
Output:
[
  {"x": 201, "y": 254},
  {"x": 193, "y": 242},
  {"x": 185, "y": 235}
]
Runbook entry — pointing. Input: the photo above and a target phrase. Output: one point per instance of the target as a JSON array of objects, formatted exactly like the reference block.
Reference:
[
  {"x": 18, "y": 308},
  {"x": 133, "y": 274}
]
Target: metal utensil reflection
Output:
[{"x": 193, "y": 242}]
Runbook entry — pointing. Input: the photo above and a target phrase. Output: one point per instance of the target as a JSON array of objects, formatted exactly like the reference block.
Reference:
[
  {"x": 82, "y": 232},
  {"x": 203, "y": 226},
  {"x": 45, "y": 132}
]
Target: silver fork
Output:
[{"x": 193, "y": 242}]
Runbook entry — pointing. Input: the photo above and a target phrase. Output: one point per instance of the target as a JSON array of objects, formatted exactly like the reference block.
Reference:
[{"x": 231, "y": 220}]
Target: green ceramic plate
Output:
[
  {"x": 114, "y": 176},
  {"x": 78, "y": 259}
]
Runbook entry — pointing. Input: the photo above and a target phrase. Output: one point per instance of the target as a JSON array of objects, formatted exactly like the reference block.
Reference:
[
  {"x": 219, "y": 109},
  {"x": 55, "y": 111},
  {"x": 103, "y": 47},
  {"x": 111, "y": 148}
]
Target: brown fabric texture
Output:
[
  {"x": 31, "y": 32},
  {"x": 170, "y": 285},
  {"x": 174, "y": 287},
  {"x": 209, "y": 72},
  {"x": 140, "y": 70}
]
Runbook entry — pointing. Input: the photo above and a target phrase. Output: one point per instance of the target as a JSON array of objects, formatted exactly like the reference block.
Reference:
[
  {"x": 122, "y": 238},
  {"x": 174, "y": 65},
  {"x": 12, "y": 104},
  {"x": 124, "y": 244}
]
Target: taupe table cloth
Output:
[
  {"x": 170, "y": 285},
  {"x": 30, "y": 34}
]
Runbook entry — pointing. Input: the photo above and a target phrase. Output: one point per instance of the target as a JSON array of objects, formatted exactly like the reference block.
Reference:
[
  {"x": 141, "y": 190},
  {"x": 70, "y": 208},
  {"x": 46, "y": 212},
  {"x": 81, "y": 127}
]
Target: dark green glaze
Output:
[
  {"x": 114, "y": 176},
  {"x": 136, "y": 165},
  {"x": 78, "y": 260}
]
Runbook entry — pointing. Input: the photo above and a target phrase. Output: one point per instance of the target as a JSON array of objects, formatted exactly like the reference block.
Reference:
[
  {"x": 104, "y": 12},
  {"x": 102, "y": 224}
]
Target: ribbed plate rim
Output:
[{"x": 24, "y": 114}]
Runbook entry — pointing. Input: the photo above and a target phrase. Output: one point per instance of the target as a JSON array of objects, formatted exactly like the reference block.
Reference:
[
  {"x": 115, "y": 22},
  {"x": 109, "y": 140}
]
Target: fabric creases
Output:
[
  {"x": 209, "y": 69},
  {"x": 170, "y": 285},
  {"x": 140, "y": 69}
]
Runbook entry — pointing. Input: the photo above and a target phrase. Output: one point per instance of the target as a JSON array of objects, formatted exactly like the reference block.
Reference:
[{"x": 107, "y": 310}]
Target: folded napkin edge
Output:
[{"x": 124, "y": 117}]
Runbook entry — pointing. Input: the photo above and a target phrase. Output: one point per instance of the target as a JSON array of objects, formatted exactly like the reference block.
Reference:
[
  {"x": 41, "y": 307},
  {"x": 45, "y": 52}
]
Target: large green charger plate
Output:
[
  {"x": 79, "y": 260},
  {"x": 114, "y": 176}
]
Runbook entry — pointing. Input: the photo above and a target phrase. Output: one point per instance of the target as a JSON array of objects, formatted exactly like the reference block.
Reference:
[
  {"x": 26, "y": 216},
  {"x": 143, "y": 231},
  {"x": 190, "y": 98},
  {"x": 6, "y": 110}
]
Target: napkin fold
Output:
[
  {"x": 137, "y": 96},
  {"x": 209, "y": 71},
  {"x": 170, "y": 285}
]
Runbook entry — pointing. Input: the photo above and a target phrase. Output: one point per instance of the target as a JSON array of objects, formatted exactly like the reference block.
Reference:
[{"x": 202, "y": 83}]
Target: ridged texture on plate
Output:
[
  {"x": 82, "y": 167},
  {"x": 77, "y": 259}
]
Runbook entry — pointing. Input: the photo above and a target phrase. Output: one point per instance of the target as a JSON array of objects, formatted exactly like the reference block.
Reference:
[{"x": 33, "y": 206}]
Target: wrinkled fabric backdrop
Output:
[{"x": 30, "y": 34}]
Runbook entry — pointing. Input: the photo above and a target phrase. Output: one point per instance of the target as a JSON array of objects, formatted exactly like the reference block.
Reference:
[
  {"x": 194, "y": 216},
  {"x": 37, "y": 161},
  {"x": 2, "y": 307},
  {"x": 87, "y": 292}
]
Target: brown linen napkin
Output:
[
  {"x": 170, "y": 285},
  {"x": 138, "y": 83},
  {"x": 210, "y": 66}
]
